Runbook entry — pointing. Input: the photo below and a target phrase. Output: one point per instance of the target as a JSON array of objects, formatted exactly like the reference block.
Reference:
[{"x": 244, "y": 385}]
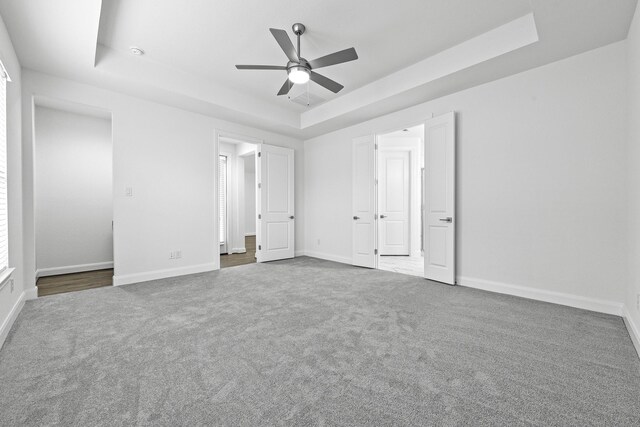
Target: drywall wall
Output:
[
  {"x": 74, "y": 198},
  {"x": 249, "y": 195},
  {"x": 12, "y": 298},
  {"x": 632, "y": 299},
  {"x": 167, "y": 157},
  {"x": 541, "y": 196}
]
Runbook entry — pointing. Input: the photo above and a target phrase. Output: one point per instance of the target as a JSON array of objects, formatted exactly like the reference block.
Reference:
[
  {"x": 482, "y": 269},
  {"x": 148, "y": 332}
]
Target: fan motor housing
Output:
[
  {"x": 303, "y": 63},
  {"x": 298, "y": 29}
]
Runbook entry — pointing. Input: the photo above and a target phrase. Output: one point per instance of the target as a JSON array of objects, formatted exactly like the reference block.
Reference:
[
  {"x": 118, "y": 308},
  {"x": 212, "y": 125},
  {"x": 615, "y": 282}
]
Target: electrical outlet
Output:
[
  {"x": 128, "y": 191},
  {"x": 11, "y": 282},
  {"x": 178, "y": 254},
  {"x": 638, "y": 302},
  {"x": 172, "y": 255},
  {"x": 318, "y": 242}
]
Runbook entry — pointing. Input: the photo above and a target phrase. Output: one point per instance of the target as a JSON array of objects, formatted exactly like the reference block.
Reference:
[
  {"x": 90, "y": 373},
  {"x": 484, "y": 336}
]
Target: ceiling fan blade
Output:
[
  {"x": 286, "y": 87},
  {"x": 326, "y": 82},
  {"x": 334, "y": 58},
  {"x": 260, "y": 67},
  {"x": 284, "y": 41}
]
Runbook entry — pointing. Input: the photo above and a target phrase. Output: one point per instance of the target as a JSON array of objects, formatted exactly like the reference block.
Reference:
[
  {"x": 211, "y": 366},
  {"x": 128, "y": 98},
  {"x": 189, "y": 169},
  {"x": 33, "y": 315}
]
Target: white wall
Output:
[
  {"x": 11, "y": 301},
  {"x": 74, "y": 205},
  {"x": 633, "y": 290},
  {"x": 541, "y": 191},
  {"x": 250, "y": 195},
  {"x": 167, "y": 156}
]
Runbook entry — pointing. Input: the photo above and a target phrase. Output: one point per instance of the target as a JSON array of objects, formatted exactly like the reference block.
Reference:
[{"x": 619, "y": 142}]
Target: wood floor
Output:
[
  {"x": 248, "y": 257},
  {"x": 62, "y": 283}
]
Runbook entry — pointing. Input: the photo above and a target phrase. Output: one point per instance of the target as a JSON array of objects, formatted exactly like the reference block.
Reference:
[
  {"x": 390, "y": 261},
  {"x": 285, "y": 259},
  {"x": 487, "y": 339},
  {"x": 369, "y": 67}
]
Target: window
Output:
[
  {"x": 4, "y": 232},
  {"x": 222, "y": 200}
]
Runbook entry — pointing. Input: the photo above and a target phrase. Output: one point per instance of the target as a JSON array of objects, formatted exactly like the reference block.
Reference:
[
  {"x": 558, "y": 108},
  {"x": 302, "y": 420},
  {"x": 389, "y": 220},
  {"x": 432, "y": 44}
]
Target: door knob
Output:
[
  {"x": 382, "y": 216},
  {"x": 447, "y": 219},
  {"x": 355, "y": 218},
  {"x": 291, "y": 217}
]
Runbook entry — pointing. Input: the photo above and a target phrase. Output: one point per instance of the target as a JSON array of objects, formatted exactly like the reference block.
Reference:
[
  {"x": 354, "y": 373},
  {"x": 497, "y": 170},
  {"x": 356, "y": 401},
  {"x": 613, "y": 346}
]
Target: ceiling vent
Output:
[{"x": 308, "y": 99}]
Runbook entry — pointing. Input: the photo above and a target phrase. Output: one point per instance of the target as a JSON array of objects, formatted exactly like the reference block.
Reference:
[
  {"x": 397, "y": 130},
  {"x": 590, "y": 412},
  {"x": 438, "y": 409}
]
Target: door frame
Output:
[
  {"x": 377, "y": 137},
  {"x": 218, "y": 134}
]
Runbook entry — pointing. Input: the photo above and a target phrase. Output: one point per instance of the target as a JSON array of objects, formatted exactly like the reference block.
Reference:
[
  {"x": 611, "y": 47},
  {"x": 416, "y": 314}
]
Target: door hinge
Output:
[
  {"x": 259, "y": 216},
  {"x": 375, "y": 252},
  {"x": 376, "y": 181},
  {"x": 259, "y": 185},
  {"x": 375, "y": 216},
  {"x": 259, "y": 247},
  {"x": 259, "y": 154},
  {"x": 375, "y": 146}
]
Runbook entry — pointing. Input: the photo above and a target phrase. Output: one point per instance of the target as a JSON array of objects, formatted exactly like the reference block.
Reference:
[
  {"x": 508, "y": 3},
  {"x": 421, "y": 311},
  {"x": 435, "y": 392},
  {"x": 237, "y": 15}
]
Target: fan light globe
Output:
[{"x": 298, "y": 75}]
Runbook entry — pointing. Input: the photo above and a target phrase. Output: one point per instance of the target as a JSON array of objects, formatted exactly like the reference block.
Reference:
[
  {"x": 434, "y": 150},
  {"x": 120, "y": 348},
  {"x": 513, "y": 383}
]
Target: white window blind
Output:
[
  {"x": 223, "y": 198},
  {"x": 4, "y": 220}
]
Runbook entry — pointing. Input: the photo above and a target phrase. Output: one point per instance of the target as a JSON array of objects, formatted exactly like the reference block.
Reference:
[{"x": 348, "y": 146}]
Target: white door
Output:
[
  {"x": 440, "y": 172},
  {"x": 364, "y": 202},
  {"x": 394, "y": 201},
  {"x": 276, "y": 221}
]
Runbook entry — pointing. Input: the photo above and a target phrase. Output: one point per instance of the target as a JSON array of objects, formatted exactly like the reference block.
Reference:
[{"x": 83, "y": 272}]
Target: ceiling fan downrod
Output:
[{"x": 298, "y": 30}]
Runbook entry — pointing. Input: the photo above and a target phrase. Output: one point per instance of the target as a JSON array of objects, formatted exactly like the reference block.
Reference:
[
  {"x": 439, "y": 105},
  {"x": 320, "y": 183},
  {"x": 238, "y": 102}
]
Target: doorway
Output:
[
  {"x": 437, "y": 186},
  {"x": 400, "y": 169},
  {"x": 73, "y": 197},
  {"x": 237, "y": 200}
]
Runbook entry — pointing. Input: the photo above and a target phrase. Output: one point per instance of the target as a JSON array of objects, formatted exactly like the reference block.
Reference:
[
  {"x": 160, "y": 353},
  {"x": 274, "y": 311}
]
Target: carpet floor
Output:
[{"x": 311, "y": 342}]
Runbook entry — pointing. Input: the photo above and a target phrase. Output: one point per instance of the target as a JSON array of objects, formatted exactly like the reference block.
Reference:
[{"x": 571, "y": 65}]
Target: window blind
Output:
[
  {"x": 222, "y": 200},
  {"x": 4, "y": 220}
]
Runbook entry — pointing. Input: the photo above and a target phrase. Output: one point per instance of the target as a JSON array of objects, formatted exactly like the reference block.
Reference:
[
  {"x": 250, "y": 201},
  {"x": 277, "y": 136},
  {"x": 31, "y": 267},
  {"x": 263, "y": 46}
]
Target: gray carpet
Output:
[{"x": 310, "y": 342}]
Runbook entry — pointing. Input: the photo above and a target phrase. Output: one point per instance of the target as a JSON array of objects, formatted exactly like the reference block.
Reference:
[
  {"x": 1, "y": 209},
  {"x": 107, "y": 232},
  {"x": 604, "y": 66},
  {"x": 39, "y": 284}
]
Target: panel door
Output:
[
  {"x": 394, "y": 201},
  {"x": 276, "y": 218},
  {"x": 440, "y": 162},
  {"x": 364, "y": 202}
]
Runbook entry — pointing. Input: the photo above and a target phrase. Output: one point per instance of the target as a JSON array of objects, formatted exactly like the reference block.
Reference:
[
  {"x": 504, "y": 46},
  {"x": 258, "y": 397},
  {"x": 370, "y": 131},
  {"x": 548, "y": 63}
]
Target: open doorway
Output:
[
  {"x": 73, "y": 197},
  {"x": 237, "y": 200},
  {"x": 400, "y": 201}
]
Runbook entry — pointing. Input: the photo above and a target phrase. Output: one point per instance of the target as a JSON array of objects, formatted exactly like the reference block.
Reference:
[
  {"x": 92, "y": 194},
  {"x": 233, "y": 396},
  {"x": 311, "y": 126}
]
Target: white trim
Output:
[
  {"x": 577, "y": 301},
  {"x": 11, "y": 318},
  {"x": 299, "y": 253},
  {"x": 329, "y": 257},
  {"x": 31, "y": 294},
  {"x": 239, "y": 250},
  {"x": 162, "y": 274},
  {"x": 249, "y": 234},
  {"x": 634, "y": 330},
  {"x": 54, "y": 271}
]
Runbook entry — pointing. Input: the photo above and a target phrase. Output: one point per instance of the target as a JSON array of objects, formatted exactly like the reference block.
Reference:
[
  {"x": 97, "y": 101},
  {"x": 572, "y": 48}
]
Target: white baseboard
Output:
[
  {"x": 239, "y": 250},
  {"x": 634, "y": 330},
  {"x": 67, "y": 269},
  {"x": 13, "y": 315},
  {"x": 577, "y": 301},
  {"x": 127, "y": 279},
  {"x": 328, "y": 257},
  {"x": 249, "y": 234},
  {"x": 31, "y": 293}
]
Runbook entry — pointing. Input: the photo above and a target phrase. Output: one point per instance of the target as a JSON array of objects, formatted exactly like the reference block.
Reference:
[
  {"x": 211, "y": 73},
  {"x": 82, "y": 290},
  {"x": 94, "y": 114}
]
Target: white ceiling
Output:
[
  {"x": 208, "y": 38},
  {"x": 410, "y": 132},
  {"x": 192, "y": 47}
]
